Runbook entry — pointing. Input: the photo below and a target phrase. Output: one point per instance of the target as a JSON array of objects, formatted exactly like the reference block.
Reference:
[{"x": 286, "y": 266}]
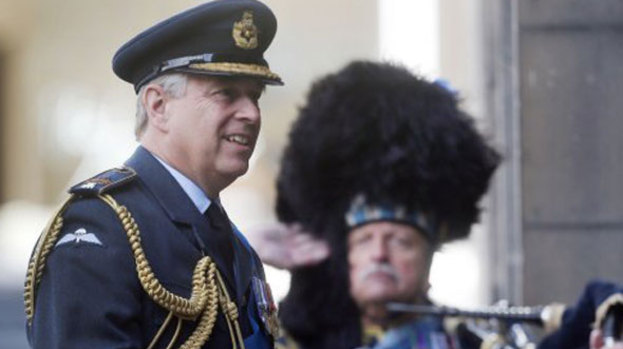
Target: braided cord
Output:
[
  {"x": 46, "y": 243},
  {"x": 205, "y": 293},
  {"x": 202, "y": 332},
  {"x": 231, "y": 314},
  {"x": 160, "y": 331},
  {"x": 180, "y": 306},
  {"x": 178, "y": 328}
]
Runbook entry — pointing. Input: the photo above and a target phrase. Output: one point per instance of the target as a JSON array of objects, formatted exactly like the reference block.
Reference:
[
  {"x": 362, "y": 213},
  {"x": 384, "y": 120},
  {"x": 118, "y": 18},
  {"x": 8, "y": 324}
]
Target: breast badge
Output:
[
  {"x": 266, "y": 306},
  {"x": 80, "y": 236}
]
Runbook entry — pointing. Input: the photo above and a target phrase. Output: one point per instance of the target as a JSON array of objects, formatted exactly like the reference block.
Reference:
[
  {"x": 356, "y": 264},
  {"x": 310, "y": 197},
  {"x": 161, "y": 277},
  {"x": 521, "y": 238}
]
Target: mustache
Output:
[{"x": 384, "y": 268}]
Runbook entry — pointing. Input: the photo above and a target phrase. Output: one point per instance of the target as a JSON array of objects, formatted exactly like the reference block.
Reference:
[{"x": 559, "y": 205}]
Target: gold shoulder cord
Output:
[
  {"x": 208, "y": 289},
  {"x": 37, "y": 261}
]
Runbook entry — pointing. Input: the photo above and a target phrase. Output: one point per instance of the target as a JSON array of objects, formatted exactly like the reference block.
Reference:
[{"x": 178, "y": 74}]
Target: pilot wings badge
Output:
[{"x": 78, "y": 237}]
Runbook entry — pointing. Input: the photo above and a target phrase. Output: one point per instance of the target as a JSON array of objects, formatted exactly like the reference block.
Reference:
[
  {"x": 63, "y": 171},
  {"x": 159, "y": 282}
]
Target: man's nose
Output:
[
  {"x": 249, "y": 110},
  {"x": 379, "y": 250}
]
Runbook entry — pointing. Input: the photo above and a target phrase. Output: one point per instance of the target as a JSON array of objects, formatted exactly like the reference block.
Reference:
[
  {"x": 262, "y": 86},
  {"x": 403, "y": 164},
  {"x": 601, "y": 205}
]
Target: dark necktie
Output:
[{"x": 224, "y": 237}]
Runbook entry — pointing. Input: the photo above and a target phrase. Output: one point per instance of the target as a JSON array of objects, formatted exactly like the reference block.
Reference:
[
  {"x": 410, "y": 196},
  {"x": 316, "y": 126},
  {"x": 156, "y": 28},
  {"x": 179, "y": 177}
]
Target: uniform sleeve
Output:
[
  {"x": 576, "y": 322},
  {"x": 89, "y": 295}
]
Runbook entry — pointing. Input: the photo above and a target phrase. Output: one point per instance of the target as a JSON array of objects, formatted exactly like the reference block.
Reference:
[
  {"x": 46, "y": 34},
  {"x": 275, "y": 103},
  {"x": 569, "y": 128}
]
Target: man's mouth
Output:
[
  {"x": 378, "y": 270},
  {"x": 380, "y": 274},
  {"x": 239, "y": 139}
]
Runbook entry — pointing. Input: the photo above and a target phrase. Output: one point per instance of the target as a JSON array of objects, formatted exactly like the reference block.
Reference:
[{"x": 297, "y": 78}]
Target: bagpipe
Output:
[{"x": 553, "y": 326}]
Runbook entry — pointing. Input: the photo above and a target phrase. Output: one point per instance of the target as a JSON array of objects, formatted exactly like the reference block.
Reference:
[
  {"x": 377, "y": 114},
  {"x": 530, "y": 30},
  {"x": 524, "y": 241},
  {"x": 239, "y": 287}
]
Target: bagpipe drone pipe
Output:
[{"x": 553, "y": 326}]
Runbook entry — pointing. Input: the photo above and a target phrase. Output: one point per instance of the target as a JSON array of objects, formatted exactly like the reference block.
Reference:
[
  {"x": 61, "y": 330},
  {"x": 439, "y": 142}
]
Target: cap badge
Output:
[{"x": 245, "y": 32}]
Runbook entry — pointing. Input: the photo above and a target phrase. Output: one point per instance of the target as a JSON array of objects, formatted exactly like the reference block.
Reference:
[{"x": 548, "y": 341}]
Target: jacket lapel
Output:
[{"x": 176, "y": 203}]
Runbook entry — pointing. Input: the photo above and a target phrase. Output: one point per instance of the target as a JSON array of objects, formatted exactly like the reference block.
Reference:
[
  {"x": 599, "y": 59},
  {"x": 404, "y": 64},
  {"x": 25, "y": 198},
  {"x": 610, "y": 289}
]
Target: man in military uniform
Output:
[
  {"x": 384, "y": 167},
  {"x": 143, "y": 256}
]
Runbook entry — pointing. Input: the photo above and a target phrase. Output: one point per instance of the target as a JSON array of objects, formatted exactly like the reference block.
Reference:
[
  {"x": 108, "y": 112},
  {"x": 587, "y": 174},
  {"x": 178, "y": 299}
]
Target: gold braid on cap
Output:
[
  {"x": 237, "y": 68},
  {"x": 208, "y": 289}
]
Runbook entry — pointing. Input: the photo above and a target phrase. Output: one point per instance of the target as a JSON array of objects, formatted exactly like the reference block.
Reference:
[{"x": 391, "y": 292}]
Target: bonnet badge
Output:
[{"x": 245, "y": 32}]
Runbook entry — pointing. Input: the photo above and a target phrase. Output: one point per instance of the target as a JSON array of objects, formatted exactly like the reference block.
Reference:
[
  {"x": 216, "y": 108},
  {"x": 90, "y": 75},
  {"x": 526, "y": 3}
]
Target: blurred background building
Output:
[{"x": 543, "y": 79}]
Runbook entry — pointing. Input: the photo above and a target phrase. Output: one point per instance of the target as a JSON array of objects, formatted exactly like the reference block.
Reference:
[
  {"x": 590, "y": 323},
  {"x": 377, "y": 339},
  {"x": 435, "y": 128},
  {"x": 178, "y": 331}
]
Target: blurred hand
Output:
[
  {"x": 597, "y": 341},
  {"x": 287, "y": 246}
]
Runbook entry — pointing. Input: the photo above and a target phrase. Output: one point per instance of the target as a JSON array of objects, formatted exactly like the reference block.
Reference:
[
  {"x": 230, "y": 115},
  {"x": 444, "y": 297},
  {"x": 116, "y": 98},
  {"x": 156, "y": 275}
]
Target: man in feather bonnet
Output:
[{"x": 382, "y": 167}]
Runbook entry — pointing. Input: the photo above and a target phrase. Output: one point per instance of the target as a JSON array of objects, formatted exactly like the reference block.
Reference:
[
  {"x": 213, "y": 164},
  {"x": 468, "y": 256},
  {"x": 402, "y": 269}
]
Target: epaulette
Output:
[{"x": 104, "y": 181}]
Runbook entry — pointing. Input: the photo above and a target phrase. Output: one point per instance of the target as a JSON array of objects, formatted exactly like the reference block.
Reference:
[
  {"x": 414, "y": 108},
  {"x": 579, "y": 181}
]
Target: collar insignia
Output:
[
  {"x": 89, "y": 185},
  {"x": 78, "y": 237},
  {"x": 245, "y": 32}
]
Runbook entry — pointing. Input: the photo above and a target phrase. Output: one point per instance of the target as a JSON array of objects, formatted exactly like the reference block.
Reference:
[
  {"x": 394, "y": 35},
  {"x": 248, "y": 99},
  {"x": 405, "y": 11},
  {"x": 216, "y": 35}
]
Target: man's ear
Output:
[{"x": 154, "y": 101}]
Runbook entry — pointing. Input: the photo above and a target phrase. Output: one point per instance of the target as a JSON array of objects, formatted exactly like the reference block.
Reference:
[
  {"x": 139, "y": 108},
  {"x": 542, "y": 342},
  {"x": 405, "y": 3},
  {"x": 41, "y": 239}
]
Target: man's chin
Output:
[
  {"x": 378, "y": 298},
  {"x": 374, "y": 310},
  {"x": 235, "y": 169}
]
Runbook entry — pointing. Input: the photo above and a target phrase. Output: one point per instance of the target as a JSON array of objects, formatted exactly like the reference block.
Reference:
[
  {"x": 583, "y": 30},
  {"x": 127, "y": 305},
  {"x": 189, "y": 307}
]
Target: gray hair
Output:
[{"x": 174, "y": 85}]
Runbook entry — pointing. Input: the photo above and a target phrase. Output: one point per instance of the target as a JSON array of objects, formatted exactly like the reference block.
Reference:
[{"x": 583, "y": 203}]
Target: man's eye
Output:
[
  {"x": 227, "y": 93},
  {"x": 360, "y": 240},
  {"x": 401, "y": 241}
]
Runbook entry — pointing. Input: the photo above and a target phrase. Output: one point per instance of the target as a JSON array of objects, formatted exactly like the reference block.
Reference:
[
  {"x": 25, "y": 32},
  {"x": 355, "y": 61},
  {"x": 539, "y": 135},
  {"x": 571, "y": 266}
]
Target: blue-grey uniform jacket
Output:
[{"x": 89, "y": 294}]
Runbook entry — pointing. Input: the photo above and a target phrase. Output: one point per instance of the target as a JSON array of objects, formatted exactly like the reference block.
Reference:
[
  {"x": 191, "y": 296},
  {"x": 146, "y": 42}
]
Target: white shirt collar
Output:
[{"x": 196, "y": 195}]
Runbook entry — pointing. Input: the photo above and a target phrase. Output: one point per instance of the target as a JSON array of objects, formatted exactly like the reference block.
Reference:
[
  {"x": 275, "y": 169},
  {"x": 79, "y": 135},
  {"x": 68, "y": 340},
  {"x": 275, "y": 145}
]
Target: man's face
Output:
[
  {"x": 213, "y": 127},
  {"x": 388, "y": 262}
]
